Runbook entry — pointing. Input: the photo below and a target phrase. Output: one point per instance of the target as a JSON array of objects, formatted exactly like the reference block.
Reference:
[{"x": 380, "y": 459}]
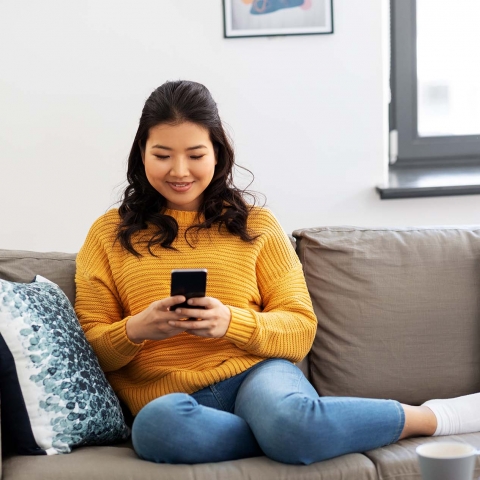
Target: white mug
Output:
[{"x": 447, "y": 460}]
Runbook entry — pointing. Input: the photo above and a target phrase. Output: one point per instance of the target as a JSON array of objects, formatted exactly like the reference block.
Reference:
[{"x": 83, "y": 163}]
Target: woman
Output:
[{"x": 217, "y": 382}]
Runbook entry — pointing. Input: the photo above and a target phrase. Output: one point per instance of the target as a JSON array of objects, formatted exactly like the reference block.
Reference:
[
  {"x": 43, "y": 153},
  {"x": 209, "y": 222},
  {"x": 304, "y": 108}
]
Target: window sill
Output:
[{"x": 407, "y": 180}]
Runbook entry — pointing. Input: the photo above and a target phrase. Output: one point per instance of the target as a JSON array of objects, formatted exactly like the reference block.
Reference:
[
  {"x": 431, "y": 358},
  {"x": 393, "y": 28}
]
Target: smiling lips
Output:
[{"x": 180, "y": 186}]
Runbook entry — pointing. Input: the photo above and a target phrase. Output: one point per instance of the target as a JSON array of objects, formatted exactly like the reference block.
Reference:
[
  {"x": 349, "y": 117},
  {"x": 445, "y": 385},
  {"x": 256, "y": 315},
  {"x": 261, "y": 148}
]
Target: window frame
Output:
[{"x": 410, "y": 147}]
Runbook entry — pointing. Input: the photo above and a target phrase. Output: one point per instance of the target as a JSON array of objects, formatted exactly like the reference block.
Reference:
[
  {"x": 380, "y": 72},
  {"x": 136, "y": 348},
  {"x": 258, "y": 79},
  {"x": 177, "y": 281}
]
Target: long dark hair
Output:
[{"x": 223, "y": 204}]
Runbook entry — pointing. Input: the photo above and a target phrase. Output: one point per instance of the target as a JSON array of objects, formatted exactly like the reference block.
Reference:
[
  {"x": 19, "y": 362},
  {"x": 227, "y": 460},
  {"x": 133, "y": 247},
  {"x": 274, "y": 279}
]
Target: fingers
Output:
[
  {"x": 201, "y": 328},
  {"x": 200, "y": 313},
  {"x": 206, "y": 302},
  {"x": 192, "y": 313},
  {"x": 193, "y": 318},
  {"x": 166, "y": 303},
  {"x": 191, "y": 324},
  {"x": 210, "y": 321}
]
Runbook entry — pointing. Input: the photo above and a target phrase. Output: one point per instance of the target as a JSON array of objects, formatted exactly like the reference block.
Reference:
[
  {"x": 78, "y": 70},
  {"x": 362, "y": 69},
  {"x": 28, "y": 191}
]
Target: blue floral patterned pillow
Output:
[{"x": 54, "y": 393}]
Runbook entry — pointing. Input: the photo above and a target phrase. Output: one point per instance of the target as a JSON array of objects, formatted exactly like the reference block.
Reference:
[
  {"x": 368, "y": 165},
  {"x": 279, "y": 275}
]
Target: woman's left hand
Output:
[{"x": 212, "y": 322}]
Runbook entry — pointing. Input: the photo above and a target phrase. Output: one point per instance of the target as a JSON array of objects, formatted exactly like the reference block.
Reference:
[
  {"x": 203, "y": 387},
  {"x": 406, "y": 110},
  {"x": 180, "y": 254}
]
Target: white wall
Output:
[{"x": 307, "y": 113}]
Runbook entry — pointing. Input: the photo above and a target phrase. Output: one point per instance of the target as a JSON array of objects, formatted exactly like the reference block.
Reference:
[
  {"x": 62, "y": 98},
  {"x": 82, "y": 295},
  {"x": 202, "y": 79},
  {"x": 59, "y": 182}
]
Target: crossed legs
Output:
[{"x": 277, "y": 412}]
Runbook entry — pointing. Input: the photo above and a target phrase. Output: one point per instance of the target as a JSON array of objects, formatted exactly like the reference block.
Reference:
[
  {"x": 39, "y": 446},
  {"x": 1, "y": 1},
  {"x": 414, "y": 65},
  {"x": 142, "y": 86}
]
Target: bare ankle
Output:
[{"x": 419, "y": 421}]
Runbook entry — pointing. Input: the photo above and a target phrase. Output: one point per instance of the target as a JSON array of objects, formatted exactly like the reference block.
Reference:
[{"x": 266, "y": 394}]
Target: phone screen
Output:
[{"x": 190, "y": 283}]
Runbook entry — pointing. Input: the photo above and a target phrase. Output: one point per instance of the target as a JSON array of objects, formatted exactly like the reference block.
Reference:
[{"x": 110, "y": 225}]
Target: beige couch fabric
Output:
[
  {"x": 21, "y": 266},
  {"x": 399, "y": 461},
  {"x": 385, "y": 299},
  {"x": 100, "y": 463},
  {"x": 398, "y": 311}
]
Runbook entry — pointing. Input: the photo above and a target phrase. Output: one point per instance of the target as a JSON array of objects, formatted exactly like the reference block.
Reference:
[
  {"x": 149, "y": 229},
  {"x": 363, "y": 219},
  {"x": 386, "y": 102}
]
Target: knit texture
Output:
[{"x": 261, "y": 282}]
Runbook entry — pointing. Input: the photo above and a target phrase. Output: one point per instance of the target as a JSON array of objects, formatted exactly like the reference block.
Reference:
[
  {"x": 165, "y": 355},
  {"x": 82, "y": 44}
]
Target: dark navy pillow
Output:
[{"x": 54, "y": 394}]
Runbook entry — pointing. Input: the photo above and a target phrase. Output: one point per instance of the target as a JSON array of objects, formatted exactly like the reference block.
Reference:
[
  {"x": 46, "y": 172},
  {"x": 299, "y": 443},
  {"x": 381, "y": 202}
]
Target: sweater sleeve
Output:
[
  {"x": 98, "y": 305},
  {"x": 286, "y": 326}
]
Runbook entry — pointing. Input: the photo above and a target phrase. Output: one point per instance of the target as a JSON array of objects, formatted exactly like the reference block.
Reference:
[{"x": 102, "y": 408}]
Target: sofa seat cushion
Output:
[
  {"x": 397, "y": 310},
  {"x": 121, "y": 463},
  {"x": 399, "y": 461}
]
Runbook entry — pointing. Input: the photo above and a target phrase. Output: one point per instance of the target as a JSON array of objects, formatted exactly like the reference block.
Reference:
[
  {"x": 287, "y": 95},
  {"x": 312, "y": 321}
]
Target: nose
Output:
[{"x": 179, "y": 168}]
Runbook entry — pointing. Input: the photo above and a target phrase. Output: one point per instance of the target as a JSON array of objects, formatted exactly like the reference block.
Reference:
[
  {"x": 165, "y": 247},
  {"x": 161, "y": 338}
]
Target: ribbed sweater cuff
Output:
[
  {"x": 120, "y": 341},
  {"x": 242, "y": 325}
]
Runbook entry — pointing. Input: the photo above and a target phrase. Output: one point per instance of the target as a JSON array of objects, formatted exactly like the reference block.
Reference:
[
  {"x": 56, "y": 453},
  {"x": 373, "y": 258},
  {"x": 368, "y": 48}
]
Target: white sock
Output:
[{"x": 456, "y": 415}]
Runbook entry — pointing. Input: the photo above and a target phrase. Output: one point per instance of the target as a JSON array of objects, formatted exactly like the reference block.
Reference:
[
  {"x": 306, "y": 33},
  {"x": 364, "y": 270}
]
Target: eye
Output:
[
  {"x": 197, "y": 157},
  {"x": 162, "y": 157}
]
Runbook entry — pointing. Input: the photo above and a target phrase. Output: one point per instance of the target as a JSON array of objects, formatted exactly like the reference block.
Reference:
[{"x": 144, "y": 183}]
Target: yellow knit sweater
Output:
[{"x": 261, "y": 282}]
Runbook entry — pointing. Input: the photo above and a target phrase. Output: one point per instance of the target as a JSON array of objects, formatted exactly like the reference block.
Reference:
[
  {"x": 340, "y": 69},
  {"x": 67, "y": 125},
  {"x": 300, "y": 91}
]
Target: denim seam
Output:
[
  {"x": 401, "y": 422},
  {"x": 218, "y": 397}
]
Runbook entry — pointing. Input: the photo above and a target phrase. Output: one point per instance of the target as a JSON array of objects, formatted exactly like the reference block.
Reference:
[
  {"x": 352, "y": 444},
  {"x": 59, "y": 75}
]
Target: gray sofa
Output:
[{"x": 398, "y": 317}]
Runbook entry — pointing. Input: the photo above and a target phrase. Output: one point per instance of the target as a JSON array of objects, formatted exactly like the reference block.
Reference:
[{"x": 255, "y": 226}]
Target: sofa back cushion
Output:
[
  {"x": 22, "y": 266},
  {"x": 398, "y": 311}
]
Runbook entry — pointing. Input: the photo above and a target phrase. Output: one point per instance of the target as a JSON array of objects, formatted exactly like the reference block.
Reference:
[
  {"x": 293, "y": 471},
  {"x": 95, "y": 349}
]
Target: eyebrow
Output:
[{"x": 189, "y": 148}]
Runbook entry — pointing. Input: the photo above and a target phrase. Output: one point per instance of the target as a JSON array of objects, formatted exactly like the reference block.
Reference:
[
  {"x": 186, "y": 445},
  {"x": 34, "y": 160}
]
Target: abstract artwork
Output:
[{"x": 252, "y": 18}]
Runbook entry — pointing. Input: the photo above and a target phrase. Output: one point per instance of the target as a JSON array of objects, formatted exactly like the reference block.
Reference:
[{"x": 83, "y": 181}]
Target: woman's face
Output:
[{"x": 179, "y": 163}]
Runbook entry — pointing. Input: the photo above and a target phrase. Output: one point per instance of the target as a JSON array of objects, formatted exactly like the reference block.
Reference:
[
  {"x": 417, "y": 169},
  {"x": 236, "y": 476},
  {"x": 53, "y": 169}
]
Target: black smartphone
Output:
[{"x": 190, "y": 283}]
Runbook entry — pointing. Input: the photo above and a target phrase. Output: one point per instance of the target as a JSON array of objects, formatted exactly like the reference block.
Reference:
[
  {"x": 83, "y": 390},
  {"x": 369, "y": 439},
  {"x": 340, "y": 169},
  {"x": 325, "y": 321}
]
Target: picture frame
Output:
[{"x": 260, "y": 18}]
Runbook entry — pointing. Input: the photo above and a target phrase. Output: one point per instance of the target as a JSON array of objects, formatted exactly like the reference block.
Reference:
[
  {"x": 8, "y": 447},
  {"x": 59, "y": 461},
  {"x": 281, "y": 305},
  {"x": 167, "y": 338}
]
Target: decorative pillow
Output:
[{"x": 54, "y": 393}]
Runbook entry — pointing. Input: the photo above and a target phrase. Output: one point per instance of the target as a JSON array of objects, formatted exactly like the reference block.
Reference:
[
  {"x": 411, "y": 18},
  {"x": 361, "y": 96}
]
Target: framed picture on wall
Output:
[{"x": 255, "y": 18}]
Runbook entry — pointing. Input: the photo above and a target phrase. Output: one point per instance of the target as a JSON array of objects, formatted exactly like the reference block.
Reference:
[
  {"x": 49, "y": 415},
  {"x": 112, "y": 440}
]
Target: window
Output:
[{"x": 435, "y": 104}]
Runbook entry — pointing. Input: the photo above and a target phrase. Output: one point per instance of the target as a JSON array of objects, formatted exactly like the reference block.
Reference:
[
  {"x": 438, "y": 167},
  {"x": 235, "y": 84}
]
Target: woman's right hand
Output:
[{"x": 152, "y": 323}]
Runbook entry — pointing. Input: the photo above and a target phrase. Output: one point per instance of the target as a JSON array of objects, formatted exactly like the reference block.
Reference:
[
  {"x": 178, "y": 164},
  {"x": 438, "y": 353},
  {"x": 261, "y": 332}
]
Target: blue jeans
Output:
[{"x": 270, "y": 409}]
